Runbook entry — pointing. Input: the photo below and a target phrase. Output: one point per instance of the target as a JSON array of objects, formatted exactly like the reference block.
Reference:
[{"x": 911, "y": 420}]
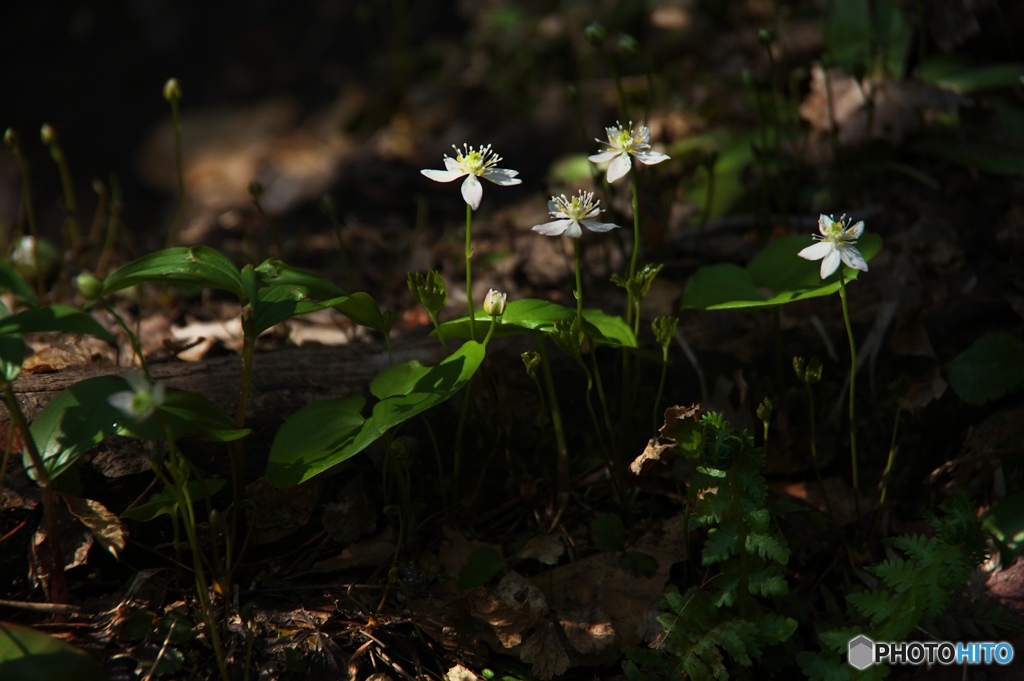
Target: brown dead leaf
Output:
[
  {"x": 66, "y": 352},
  {"x": 924, "y": 389},
  {"x": 598, "y": 580},
  {"x": 666, "y": 437},
  {"x": 460, "y": 673},
  {"x": 104, "y": 525},
  {"x": 895, "y": 109},
  {"x": 544, "y": 650},
  {"x": 547, "y": 548},
  {"x": 517, "y": 592},
  {"x": 506, "y": 622},
  {"x": 588, "y": 629}
]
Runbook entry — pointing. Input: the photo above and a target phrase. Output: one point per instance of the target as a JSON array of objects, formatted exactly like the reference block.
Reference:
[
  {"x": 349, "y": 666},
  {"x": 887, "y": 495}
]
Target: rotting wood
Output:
[{"x": 283, "y": 381}]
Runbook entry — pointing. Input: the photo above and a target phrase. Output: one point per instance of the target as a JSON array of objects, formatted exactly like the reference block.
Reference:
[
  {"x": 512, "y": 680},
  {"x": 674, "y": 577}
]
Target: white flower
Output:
[
  {"x": 625, "y": 142},
  {"x": 141, "y": 401},
  {"x": 570, "y": 213},
  {"x": 494, "y": 303},
  {"x": 836, "y": 242},
  {"x": 474, "y": 163}
]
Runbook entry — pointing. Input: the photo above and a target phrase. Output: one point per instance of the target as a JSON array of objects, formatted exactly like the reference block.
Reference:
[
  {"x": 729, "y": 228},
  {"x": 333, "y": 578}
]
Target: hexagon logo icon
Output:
[{"x": 861, "y": 653}]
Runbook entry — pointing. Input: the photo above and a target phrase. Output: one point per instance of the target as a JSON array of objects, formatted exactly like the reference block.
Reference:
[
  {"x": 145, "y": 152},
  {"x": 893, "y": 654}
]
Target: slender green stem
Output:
[
  {"x": 636, "y": 242},
  {"x": 556, "y": 417},
  {"x": 179, "y": 217},
  {"x": 132, "y": 338},
  {"x": 437, "y": 458},
  {"x": 237, "y": 448},
  {"x": 466, "y": 397},
  {"x": 600, "y": 396},
  {"x": 469, "y": 271},
  {"x": 440, "y": 336},
  {"x": 30, "y": 212},
  {"x": 113, "y": 226},
  {"x": 742, "y": 588},
  {"x": 72, "y": 230},
  {"x": 579, "y": 281},
  {"x": 490, "y": 331},
  {"x": 887, "y": 473},
  {"x": 780, "y": 375},
  {"x": 853, "y": 380},
  {"x": 661, "y": 387},
  {"x": 180, "y": 491}
]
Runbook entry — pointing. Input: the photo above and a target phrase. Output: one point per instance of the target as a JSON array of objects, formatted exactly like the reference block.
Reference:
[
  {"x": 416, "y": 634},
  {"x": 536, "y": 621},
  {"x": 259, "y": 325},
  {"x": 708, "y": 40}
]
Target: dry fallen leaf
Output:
[
  {"x": 544, "y": 650},
  {"x": 547, "y": 548},
  {"x": 666, "y": 437},
  {"x": 517, "y": 592},
  {"x": 506, "y": 622},
  {"x": 104, "y": 525},
  {"x": 460, "y": 673},
  {"x": 588, "y": 629}
]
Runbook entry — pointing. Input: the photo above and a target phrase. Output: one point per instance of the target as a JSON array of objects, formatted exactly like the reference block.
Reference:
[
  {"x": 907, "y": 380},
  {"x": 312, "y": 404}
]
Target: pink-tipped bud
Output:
[{"x": 494, "y": 303}]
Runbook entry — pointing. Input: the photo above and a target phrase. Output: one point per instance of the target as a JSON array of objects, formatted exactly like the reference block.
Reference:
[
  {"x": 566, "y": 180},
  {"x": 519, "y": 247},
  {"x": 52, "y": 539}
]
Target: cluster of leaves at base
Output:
[
  {"x": 700, "y": 625},
  {"x": 919, "y": 593}
]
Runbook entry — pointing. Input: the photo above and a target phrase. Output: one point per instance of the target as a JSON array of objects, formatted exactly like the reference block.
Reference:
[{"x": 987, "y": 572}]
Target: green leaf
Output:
[
  {"x": 194, "y": 266},
  {"x": 775, "y": 276},
  {"x": 276, "y": 273},
  {"x": 278, "y": 303},
  {"x": 361, "y": 308},
  {"x": 530, "y": 314},
  {"x": 78, "y": 418},
  {"x": 326, "y": 435},
  {"x": 484, "y": 564},
  {"x": 163, "y": 501},
  {"x": 53, "y": 318},
  {"x": 187, "y": 413},
  {"x": 638, "y": 564},
  {"x": 313, "y": 439},
  {"x": 991, "y": 367},
  {"x": 12, "y": 354},
  {"x": 26, "y": 654},
  {"x": 1005, "y": 520},
  {"x": 11, "y": 280},
  {"x": 608, "y": 531},
  {"x": 951, "y": 72}
]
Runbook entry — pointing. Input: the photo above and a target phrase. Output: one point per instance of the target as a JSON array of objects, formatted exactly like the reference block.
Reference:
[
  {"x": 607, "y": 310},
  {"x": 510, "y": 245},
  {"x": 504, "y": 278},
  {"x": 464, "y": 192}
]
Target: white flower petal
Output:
[
  {"x": 122, "y": 401},
  {"x": 598, "y": 226},
  {"x": 472, "y": 192},
  {"x": 442, "y": 175},
  {"x": 555, "y": 228},
  {"x": 645, "y": 134},
  {"x": 855, "y": 232},
  {"x": 603, "y": 156},
  {"x": 453, "y": 165},
  {"x": 830, "y": 264},
  {"x": 619, "y": 167},
  {"x": 501, "y": 176},
  {"x": 853, "y": 258},
  {"x": 817, "y": 251},
  {"x": 553, "y": 208},
  {"x": 137, "y": 382},
  {"x": 573, "y": 229},
  {"x": 824, "y": 224},
  {"x": 650, "y": 157}
]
